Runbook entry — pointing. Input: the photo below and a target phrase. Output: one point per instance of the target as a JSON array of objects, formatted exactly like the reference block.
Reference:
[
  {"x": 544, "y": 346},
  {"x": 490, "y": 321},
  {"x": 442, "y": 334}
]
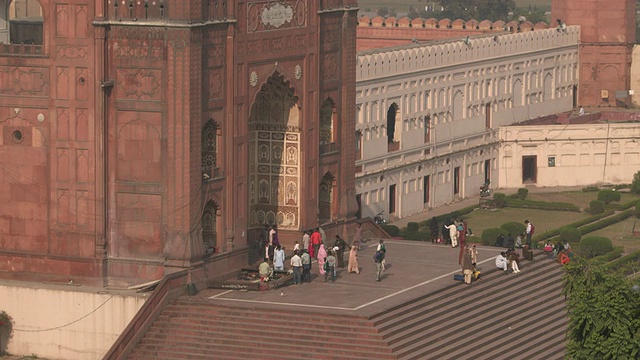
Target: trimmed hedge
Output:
[
  {"x": 522, "y": 193},
  {"x": 570, "y": 234},
  {"x": 543, "y": 205},
  {"x": 490, "y": 235},
  {"x": 611, "y": 255},
  {"x": 596, "y": 207},
  {"x": 499, "y": 200},
  {"x": 606, "y": 222},
  {"x": 450, "y": 216},
  {"x": 621, "y": 262},
  {"x": 555, "y": 232},
  {"x": 593, "y": 246},
  {"x": 514, "y": 228},
  {"x": 608, "y": 196},
  {"x": 590, "y": 189},
  {"x": 413, "y": 226},
  {"x": 392, "y": 230}
]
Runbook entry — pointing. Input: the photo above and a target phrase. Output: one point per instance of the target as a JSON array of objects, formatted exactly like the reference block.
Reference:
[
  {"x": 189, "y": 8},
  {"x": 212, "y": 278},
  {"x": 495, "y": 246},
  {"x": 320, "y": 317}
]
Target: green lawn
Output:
[
  {"x": 543, "y": 220},
  {"x": 620, "y": 233}
]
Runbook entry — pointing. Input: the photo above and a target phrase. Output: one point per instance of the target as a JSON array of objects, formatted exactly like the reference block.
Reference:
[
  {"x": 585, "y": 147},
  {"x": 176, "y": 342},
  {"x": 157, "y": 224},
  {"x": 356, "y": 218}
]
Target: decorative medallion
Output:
[
  {"x": 277, "y": 15},
  {"x": 297, "y": 72},
  {"x": 253, "y": 79}
]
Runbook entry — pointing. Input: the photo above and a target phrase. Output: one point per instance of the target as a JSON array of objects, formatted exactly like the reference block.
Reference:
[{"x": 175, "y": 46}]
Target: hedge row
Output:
[
  {"x": 555, "y": 232},
  {"x": 543, "y": 205},
  {"x": 450, "y": 216},
  {"x": 611, "y": 255},
  {"x": 621, "y": 262},
  {"x": 606, "y": 222}
]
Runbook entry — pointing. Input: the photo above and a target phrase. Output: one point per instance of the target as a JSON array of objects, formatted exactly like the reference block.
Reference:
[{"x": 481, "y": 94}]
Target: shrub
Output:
[
  {"x": 543, "y": 205},
  {"x": 590, "y": 189},
  {"x": 608, "y": 196},
  {"x": 413, "y": 226},
  {"x": 522, "y": 193},
  {"x": 635, "y": 184},
  {"x": 596, "y": 207},
  {"x": 407, "y": 233},
  {"x": 554, "y": 232},
  {"x": 499, "y": 200},
  {"x": 490, "y": 235},
  {"x": 392, "y": 230},
  {"x": 623, "y": 261},
  {"x": 6, "y": 327},
  {"x": 638, "y": 209},
  {"x": 611, "y": 255},
  {"x": 592, "y": 246},
  {"x": 570, "y": 234},
  {"x": 514, "y": 228}
]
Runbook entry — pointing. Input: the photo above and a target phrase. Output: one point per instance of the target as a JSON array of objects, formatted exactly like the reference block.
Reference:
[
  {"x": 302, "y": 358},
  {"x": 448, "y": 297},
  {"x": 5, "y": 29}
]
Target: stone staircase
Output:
[{"x": 514, "y": 316}]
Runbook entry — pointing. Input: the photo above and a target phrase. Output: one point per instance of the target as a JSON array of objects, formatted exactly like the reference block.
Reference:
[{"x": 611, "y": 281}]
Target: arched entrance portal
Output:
[
  {"x": 274, "y": 161},
  {"x": 326, "y": 197}
]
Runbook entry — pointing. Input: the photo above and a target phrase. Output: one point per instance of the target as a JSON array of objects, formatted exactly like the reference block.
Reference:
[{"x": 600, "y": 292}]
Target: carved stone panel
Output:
[
  {"x": 138, "y": 84},
  {"x": 272, "y": 15},
  {"x": 24, "y": 81}
]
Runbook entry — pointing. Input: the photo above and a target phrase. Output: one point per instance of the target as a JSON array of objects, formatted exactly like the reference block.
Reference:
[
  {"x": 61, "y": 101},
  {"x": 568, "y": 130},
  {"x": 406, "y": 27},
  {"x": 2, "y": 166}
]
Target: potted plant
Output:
[{"x": 6, "y": 330}]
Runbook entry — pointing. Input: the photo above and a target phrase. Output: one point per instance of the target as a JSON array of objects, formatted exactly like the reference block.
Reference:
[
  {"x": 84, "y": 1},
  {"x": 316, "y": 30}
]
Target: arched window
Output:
[
  {"x": 209, "y": 148},
  {"x": 209, "y": 226},
  {"x": 391, "y": 122},
  {"x": 327, "y": 115},
  {"x": 21, "y": 22}
]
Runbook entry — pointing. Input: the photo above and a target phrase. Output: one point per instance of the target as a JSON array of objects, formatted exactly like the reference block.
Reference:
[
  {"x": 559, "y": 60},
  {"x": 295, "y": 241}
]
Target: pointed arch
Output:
[
  {"x": 210, "y": 134},
  {"x": 209, "y": 223},
  {"x": 325, "y": 197},
  {"x": 328, "y": 116}
]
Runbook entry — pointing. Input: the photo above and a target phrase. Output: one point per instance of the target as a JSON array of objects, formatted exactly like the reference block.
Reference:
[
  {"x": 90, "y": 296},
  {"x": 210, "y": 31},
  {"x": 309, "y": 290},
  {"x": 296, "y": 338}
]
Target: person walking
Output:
[
  {"x": 379, "y": 260},
  {"x": 278, "y": 258},
  {"x": 322, "y": 257},
  {"x": 467, "y": 265},
  {"x": 316, "y": 240},
  {"x": 305, "y": 258},
  {"x": 353, "y": 260},
  {"x": 453, "y": 233},
  {"x": 296, "y": 265},
  {"x": 305, "y": 240},
  {"x": 340, "y": 246},
  {"x": 330, "y": 272}
]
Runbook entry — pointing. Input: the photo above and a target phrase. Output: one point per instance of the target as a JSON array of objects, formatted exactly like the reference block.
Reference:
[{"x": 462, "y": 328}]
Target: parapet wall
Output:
[
  {"x": 374, "y": 64},
  {"x": 382, "y": 32}
]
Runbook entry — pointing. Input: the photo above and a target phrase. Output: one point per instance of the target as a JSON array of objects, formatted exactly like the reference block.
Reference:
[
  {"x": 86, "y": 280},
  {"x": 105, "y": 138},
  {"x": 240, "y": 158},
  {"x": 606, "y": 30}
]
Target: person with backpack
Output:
[{"x": 529, "y": 231}]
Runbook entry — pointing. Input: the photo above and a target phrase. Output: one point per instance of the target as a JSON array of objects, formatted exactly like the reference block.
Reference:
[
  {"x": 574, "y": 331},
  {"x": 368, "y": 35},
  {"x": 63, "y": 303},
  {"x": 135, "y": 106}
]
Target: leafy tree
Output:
[
  {"x": 476, "y": 9},
  {"x": 413, "y": 13},
  {"x": 604, "y": 312},
  {"x": 533, "y": 15},
  {"x": 386, "y": 12},
  {"x": 635, "y": 184}
]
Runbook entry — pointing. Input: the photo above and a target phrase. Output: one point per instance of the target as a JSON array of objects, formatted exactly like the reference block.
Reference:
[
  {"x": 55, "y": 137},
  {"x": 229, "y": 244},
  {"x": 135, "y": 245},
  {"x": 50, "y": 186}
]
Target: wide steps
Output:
[
  {"x": 455, "y": 322},
  {"x": 223, "y": 329}
]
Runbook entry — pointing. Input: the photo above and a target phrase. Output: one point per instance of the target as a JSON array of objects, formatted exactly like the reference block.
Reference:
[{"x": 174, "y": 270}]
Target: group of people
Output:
[
  {"x": 314, "y": 245},
  {"x": 453, "y": 232},
  {"x": 560, "y": 251}
]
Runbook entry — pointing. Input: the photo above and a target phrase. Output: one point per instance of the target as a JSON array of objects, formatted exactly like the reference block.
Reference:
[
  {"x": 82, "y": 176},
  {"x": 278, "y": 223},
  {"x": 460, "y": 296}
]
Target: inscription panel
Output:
[{"x": 271, "y": 15}]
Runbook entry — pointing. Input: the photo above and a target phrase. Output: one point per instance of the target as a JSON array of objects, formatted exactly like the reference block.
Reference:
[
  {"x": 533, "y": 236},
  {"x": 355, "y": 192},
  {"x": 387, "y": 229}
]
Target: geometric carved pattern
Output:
[
  {"x": 139, "y": 84},
  {"x": 209, "y": 146},
  {"x": 329, "y": 66},
  {"x": 209, "y": 221},
  {"x": 24, "y": 81},
  {"x": 274, "y": 155}
]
